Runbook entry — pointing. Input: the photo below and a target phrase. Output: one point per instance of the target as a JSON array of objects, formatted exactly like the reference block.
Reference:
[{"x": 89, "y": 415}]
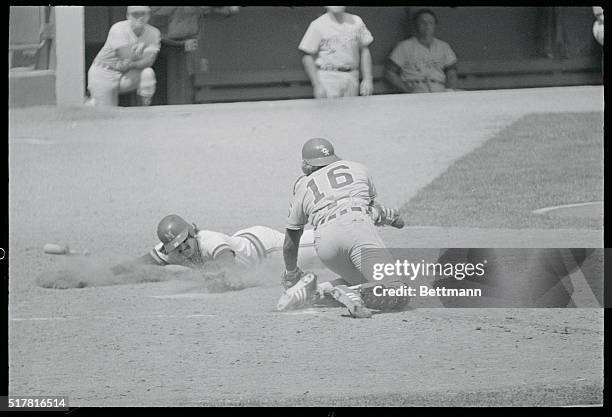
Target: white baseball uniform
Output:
[
  {"x": 250, "y": 247},
  {"x": 425, "y": 66},
  {"x": 337, "y": 47},
  {"x": 104, "y": 82}
]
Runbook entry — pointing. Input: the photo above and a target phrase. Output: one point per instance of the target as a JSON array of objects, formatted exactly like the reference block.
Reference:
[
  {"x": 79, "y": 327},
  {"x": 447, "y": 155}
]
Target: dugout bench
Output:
[
  {"x": 541, "y": 72},
  {"x": 263, "y": 85},
  {"x": 478, "y": 75}
]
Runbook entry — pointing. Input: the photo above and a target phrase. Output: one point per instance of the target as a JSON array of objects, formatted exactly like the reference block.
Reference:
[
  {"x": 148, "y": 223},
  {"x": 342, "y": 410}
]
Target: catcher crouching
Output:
[{"x": 337, "y": 197}]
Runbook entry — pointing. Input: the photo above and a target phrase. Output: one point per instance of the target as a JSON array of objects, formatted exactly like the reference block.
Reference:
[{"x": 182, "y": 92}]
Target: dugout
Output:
[{"x": 252, "y": 55}]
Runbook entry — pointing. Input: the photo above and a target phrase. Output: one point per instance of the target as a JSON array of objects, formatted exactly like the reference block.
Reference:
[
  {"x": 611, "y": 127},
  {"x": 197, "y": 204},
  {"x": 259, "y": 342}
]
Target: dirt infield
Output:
[{"x": 102, "y": 179}]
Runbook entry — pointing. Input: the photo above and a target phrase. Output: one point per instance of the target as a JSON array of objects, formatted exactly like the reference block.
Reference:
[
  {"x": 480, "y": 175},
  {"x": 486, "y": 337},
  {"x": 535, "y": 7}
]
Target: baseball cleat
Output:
[
  {"x": 352, "y": 301},
  {"x": 300, "y": 295}
]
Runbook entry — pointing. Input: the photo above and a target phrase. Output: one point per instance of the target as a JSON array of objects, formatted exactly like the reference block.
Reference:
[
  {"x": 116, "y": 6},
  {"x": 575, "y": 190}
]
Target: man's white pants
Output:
[
  {"x": 105, "y": 85},
  {"x": 339, "y": 83}
]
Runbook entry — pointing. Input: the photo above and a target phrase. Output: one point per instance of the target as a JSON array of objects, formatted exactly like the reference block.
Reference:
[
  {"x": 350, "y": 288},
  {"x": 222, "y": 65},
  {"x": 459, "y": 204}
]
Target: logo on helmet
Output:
[
  {"x": 323, "y": 150},
  {"x": 169, "y": 235}
]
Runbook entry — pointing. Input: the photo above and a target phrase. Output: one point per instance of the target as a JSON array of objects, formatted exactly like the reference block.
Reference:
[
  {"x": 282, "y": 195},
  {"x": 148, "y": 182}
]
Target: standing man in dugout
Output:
[
  {"x": 422, "y": 63},
  {"x": 336, "y": 50},
  {"x": 124, "y": 62}
]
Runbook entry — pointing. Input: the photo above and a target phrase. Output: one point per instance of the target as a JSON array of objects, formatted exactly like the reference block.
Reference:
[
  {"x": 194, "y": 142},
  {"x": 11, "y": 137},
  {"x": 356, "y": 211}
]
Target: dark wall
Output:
[
  {"x": 498, "y": 33},
  {"x": 260, "y": 38},
  {"x": 489, "y": 33},
  {"x": 268, "y": 37},
  {"x": 263, "y": 38}
]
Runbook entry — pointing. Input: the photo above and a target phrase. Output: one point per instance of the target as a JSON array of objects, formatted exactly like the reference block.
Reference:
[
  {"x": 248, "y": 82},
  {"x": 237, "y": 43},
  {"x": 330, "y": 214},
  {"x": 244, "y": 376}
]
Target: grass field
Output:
[
  {"x": 538, "y": 161},
  {"x": 102, "y": 179}
]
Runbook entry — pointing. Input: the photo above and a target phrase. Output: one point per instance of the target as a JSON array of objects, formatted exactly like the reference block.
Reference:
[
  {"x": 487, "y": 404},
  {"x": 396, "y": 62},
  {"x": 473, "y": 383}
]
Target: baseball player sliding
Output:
[
  {"x": 182, "y": 243},
  {"x": 124, "y": 62},
  {"x": 337, "y": 197}
]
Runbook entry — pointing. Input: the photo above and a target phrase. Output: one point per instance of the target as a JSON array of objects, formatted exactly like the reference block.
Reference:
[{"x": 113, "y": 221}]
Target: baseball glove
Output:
[{"x": 384, "y": 216}]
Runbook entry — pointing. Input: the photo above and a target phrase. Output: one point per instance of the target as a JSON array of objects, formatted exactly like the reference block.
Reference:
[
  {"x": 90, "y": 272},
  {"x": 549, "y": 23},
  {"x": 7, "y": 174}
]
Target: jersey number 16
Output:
[{"x": 336, "y": 180}]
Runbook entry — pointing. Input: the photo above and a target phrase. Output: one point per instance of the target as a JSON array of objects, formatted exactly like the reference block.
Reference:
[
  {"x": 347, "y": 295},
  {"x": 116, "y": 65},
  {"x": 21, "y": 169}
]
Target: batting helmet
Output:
[
  {"x": 319, "y": 152},
  {"x": 173, "y": 230}
]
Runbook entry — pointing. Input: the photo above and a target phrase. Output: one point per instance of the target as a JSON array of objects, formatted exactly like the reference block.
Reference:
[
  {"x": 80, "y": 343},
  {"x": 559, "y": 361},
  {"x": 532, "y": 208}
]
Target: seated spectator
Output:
[
  {"x": 124, "y": 62},
  {"x": 422, "y": 63}
]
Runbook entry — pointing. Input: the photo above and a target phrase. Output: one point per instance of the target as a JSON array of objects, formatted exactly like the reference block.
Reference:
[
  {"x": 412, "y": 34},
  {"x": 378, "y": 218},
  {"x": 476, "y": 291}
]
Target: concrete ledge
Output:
[{"x": 31, "y": 88}]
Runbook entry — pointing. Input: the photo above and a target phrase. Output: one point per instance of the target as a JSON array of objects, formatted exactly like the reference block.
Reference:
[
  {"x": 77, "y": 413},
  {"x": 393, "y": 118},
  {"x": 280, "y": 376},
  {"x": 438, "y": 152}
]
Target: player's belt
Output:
[
  {"x": 341, "y": 213},
  {"x": 333, "y": 68}
]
